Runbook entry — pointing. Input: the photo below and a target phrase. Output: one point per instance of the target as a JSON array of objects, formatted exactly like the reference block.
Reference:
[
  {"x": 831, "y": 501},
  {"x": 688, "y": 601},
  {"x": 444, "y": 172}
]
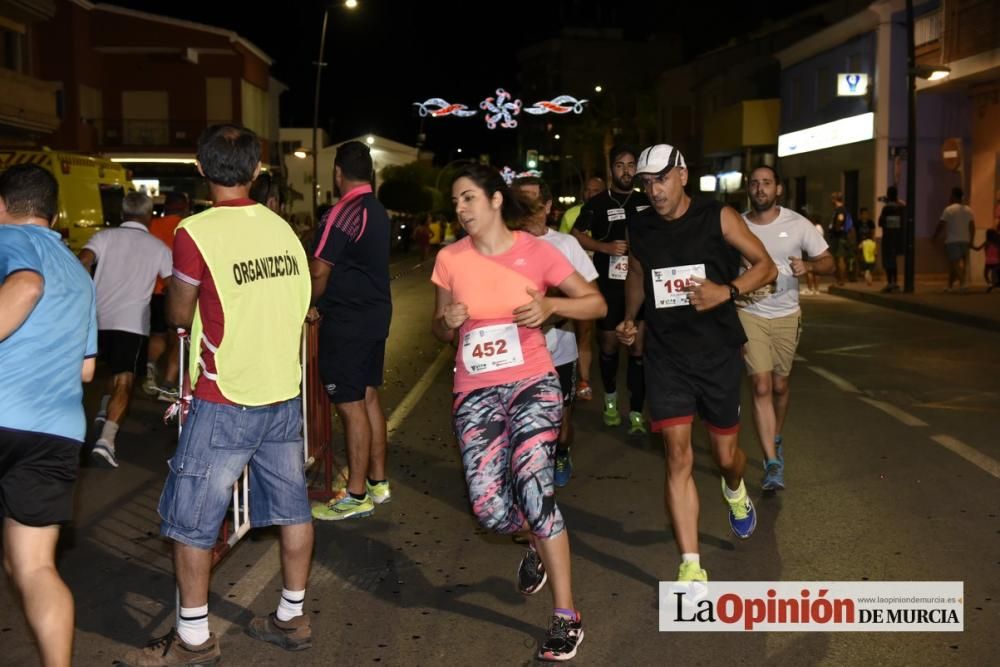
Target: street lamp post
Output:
[
  {"x": 349, "y": 4},
  {"x": 315, "y": 152},
  {"x": 910, "y": 232}
]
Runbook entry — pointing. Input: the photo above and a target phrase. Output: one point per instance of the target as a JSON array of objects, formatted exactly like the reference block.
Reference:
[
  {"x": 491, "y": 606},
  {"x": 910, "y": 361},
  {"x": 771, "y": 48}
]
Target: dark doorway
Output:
[{"x": 851, "y": 192}]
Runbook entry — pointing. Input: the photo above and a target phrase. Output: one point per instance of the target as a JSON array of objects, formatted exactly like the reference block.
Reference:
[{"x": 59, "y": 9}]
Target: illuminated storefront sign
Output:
[
  {"x": 852, "y": 85},
  {"x": 838, "y": 133}
]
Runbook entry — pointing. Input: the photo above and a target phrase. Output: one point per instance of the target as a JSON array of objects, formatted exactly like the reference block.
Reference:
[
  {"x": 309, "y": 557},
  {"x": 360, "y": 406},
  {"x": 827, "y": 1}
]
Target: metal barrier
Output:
[
  {"x": 317, "y": 419},
  {"x": 317, "y": 450},
  {"x": 231, "y": 531}
]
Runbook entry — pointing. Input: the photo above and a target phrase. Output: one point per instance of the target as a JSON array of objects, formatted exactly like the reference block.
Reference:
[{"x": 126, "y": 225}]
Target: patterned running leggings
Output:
[{"x": 508, "y": 435}]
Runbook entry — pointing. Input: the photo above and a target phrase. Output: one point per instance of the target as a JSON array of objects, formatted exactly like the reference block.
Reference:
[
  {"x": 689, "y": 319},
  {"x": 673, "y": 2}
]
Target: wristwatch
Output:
[{"x": 734, "y": 291}]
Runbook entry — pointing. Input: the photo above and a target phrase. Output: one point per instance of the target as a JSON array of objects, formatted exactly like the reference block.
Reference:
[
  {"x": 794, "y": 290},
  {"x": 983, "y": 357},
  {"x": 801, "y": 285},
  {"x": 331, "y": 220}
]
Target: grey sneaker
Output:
[
  {"x": 104, "y": 453},
  {"x": 170, "y": 649},
  {"x": 774, "y": 477},
  {"x": 293, "y": 635}
]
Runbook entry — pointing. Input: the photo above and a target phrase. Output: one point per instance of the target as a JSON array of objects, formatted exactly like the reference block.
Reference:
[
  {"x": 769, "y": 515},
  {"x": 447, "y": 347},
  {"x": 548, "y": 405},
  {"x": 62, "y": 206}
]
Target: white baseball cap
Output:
[{"x": 658, "y": 159}]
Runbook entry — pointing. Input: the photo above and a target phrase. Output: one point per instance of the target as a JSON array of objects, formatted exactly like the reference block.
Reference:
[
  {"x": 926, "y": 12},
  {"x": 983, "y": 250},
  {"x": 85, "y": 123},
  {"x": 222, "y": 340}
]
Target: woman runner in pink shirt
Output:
[{"x": 507, "y": 403}]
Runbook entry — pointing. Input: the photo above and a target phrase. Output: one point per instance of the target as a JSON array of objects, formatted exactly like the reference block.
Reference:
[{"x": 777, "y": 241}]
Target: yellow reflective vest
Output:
[{"x": 262, "y": 275}]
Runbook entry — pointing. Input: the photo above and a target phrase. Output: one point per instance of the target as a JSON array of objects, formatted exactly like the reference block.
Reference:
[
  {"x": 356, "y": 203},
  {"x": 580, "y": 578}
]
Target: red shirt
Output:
[{"x": 190, "y": 267}]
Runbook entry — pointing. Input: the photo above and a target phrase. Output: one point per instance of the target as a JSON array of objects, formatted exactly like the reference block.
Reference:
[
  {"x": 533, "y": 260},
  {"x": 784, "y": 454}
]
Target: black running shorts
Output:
[
  {"x": 122, "y": 351},
  {"x": 37, "y": 473},
  {"x": 158, "y": 314},
  {"x": 348, "y": 366},
  {"x": 567, "y": 382},
  {"x": 614, "y": 296},
  {"x": 679, "y": 386}
]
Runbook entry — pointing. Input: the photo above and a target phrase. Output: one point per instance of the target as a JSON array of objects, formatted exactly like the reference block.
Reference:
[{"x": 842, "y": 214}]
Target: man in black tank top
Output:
[
  {"x": 685, "y": 269},
  {"x": 600, "y": 228}
]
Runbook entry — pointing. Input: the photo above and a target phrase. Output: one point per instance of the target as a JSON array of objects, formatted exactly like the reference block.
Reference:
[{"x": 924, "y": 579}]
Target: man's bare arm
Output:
[
  {"x": 19, "y": 293},
  {"x": 182, "y": 299}
]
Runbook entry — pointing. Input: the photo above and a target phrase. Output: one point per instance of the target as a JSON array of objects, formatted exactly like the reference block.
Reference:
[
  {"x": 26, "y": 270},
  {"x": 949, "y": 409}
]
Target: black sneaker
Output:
[
  {"x": 562, "y": 640},
  {"x": 531, "y": 573}
]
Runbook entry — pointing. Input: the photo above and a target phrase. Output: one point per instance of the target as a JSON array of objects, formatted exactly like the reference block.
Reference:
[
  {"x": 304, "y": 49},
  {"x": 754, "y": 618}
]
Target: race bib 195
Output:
[
  {"x": 669, "y": 284},
  {"x": 491, "y": 348}
]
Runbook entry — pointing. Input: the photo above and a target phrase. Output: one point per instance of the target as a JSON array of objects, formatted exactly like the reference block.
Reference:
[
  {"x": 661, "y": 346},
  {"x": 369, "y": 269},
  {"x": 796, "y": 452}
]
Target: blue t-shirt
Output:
[{"x": 40, "y": 363}]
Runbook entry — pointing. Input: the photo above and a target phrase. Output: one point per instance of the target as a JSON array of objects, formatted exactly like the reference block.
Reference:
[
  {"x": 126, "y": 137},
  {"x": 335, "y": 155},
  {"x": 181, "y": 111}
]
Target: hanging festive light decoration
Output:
[
  {"x": 560, "y": 105},
  {"x": 508, "y": 175},
  {"x": 426, "y": 108},
  {"x": 501, "y": 110}
]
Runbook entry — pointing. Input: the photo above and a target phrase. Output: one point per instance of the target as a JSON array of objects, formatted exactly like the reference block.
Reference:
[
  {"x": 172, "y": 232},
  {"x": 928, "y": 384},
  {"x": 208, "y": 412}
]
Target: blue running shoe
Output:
[
  {"x": 564, "y": 468},
  {"x": 774, "y": 476},
  {"x": 742, "y": 515}
]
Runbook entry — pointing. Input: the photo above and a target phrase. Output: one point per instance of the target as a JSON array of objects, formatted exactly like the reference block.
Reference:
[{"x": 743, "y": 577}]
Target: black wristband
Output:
[{"x": 734, "y": 291}]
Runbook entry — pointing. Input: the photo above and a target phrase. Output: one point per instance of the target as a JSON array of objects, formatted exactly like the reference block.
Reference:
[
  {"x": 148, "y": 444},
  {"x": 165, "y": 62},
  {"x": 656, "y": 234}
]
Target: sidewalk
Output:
[{"x": 973, "y": 307}]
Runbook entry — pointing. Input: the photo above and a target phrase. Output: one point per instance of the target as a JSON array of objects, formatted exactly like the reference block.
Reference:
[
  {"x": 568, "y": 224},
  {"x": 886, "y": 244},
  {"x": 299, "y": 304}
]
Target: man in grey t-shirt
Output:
[
  {"x": 771, "y": 317},
  {"x": 959, "y": 229}
]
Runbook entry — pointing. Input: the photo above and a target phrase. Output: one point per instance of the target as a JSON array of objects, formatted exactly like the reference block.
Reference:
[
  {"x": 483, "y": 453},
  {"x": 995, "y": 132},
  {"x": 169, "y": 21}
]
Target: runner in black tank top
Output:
[
  {"x": 684, "y": 268},
  {"x": 606, "y": 217}
]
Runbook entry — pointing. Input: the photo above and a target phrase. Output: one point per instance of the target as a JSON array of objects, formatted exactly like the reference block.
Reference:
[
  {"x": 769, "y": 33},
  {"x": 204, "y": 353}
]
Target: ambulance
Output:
[{"x": 90, "y": 190}]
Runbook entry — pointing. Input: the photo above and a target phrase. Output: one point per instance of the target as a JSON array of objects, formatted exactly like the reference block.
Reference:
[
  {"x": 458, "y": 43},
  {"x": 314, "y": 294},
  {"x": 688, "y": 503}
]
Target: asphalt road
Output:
[{"x": 877, "y": 489}]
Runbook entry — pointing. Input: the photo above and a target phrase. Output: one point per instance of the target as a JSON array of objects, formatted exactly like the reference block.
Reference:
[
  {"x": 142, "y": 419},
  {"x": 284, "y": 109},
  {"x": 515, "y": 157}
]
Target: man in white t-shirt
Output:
[
  {"x": 559, "y": 338},
  {"x": 771, "y": 316},
  {"x": 129, "y": 259},
  {"x": 959, "y": 228}
]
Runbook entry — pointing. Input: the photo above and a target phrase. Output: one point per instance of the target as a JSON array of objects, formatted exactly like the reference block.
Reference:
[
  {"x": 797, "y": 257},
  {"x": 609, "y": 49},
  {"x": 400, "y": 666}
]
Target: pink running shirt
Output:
[{"x": 492, "y": 287}]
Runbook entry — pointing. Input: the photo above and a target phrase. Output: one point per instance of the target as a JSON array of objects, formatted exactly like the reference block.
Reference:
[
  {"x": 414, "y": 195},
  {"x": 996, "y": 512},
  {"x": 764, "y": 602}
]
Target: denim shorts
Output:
[{"x": 217, "y": 442}]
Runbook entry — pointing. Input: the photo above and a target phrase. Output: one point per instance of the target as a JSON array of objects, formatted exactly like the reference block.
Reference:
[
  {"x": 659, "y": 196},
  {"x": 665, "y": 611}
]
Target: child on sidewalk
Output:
[
  {"x": 991, "y": 264},
  {"x": 868, "y": 255}
]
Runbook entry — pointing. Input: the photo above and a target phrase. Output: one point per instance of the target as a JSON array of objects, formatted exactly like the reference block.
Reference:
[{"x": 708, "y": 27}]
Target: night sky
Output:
[{"x": 386, "y": 54}]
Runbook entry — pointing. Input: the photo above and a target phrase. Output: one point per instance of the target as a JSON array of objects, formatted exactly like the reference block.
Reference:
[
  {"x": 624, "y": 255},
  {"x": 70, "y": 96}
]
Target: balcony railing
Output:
[
  {"x": 146, "y": 133},
  {"x": 970, "y": 27},
  {"x": 27, "y": 102},
  {"x": 927, "y": 28}
]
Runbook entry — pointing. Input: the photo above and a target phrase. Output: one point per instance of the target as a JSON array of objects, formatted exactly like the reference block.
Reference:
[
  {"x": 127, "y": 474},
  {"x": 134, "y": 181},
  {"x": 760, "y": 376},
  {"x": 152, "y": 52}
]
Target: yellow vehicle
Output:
[{"x": 90, "y": 190}]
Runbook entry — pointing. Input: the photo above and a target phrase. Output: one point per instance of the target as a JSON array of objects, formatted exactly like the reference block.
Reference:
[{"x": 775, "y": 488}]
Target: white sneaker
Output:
[{"x": 104, "y": 452}]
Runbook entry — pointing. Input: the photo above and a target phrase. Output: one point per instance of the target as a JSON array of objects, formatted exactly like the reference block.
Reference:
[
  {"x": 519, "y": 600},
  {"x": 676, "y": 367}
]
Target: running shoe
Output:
[
  {"x": 293, "y": 635},
  {"x": 170, "y": 649},
  {"x": 149, "y": 385},
  {"x": 611, "y": 416},
  {"x": 584, "y": 392},
  {"x": 742, "y": 516},
  {"x": 564, "y": 467},
  {"x": 636, "y": 424},
  {"x": 774, "y": 476},
  {"x": 346, "y": 507},
  {"x": 380, "y": 492},
  {"x": 691, "y": 571},
  {"x": 168, "y": 394},
  {"x": 104, "y": 453},
  {"x": 531, "y": 573},
  {"x": 562, "y": 639}
]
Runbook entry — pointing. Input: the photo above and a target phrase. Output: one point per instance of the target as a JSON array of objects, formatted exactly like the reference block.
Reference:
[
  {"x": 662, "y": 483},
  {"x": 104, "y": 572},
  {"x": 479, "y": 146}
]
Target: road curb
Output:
[{"x": 900, "y": 302}]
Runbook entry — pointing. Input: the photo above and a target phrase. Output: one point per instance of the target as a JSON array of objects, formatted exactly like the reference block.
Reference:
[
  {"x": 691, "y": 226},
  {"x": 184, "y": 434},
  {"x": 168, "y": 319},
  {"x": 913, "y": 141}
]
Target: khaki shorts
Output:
[{"x": 771, "y": 343}]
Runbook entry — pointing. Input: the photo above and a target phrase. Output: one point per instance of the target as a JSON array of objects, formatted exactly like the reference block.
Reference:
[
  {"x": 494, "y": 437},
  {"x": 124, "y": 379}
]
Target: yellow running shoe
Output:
[
  {"x": 346, "y": 507},
  {"x": 379, "y": 493},
  {"x": 691, "y": 571}
]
